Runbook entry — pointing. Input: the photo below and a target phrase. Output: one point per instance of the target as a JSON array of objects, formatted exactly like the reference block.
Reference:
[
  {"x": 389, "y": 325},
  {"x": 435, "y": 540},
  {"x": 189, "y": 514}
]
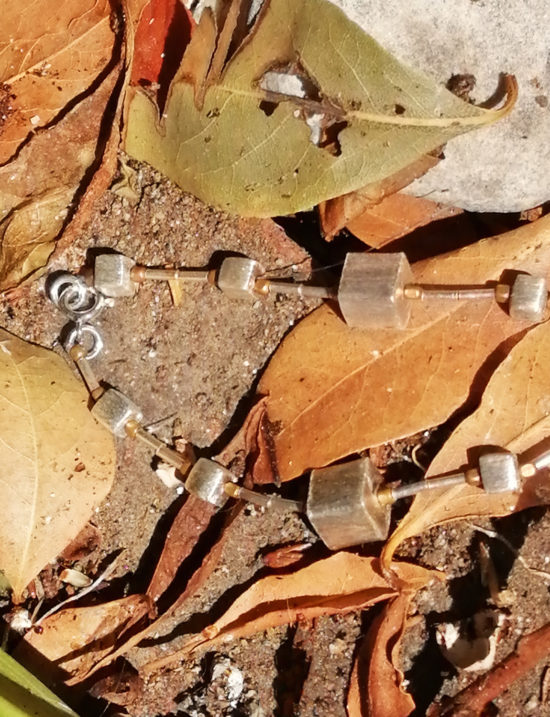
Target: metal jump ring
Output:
[
  {"x": 84, "y": 307},
  {"x": 64, "y": 284},
  {"x": 75, "y": 298},
  {"x": 76, "y": 334}
]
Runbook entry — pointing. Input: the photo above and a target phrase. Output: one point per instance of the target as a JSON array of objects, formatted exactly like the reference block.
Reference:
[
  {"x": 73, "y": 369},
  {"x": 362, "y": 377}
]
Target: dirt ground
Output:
[{"x": 193, "y": 370}]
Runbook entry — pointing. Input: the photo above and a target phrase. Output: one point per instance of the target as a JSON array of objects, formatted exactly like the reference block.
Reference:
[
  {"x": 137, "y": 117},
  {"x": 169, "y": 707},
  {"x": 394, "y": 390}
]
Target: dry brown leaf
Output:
[
  {"x": 351, "y": 389},
  {"x": 515, "y": 414},
  {"x": 48, "y": 57},
  {"x": 337, "y": 213},
  {"x": 396, "y": 216},
  {"x": 107, "y": 150},
  {"x": 64, "y": 635},
  {"x": 58, "y": 463},
  {"x": 188, "y": 526},
  {"x": 335, "y": 585},
  {"x": 376, "y": 682},
  {"x": 176, "y": 550},
  {"x": 196, "y": 581},
  {"x": 38, "y": 188}
]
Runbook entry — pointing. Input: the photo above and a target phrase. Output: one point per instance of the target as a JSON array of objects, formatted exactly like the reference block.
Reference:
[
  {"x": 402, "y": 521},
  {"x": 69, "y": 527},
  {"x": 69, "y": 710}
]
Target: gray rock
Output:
[{"x": 506, "y": 166}]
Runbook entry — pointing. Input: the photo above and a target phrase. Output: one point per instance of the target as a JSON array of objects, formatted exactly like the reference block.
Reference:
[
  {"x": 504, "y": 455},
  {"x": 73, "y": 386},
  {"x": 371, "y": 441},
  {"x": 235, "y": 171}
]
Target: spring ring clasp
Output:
[{"x": 78, "y": 301}]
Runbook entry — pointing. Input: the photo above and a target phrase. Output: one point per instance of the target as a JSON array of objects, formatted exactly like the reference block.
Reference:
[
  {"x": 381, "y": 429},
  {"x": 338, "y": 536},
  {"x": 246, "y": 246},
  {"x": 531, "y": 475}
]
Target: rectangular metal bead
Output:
[{"x": 370, "y": 294}]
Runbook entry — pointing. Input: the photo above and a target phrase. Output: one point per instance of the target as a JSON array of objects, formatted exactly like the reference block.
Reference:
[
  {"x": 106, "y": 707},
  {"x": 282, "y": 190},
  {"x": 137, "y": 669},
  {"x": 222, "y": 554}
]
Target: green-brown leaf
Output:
[{"x": 234, "y": 151}]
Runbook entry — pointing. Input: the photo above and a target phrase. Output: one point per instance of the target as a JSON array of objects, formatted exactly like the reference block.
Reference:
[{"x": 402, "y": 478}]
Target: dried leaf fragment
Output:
[
  {"x": 247, "y": 148},
  {"x": 66, "y": 633},
  {"x": 396, "y": 216},
  {"x": 47, "y": 431},
  {"x": 376, "y": 681},
  {"x": 39, "y": 187},
  {"x": 338, "y": 584},
  {"x": 355, "y": 389},
  {"x": 47, "y": 58},
  {"x": 514, "y": 414},
  {"x": 337, "y": 213}
]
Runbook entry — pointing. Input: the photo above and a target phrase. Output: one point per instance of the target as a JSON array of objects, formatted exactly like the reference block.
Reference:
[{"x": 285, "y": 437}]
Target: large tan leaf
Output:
[
  {"x": 351, "y": 389},
  {"x": 57, "y": 462},
  {"x": 50, "y": 53},
  {"x": 514, "y": 413},
  {"x": 248, "y": 150},
  {"x": 335, "y": 585}
]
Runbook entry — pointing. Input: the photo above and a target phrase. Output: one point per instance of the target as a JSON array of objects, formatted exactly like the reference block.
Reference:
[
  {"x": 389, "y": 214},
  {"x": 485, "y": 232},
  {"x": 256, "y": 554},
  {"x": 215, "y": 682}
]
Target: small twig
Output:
[
  {"x": 160, "y": 422},
  {"x": 493, "y": 534},
  {"x": 104, "y": 575}
]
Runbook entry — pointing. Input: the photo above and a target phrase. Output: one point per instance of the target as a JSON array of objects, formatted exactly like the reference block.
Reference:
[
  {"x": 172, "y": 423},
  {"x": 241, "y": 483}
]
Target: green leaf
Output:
[
  {"x": 245, "y": 149},
  {"x": 23, "y": 695}
]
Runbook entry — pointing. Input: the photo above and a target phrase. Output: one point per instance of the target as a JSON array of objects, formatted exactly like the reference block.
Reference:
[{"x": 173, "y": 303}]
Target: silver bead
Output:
[
  {"x": 343, "y": 506},
  {"x": 113, "y": 409},
  {"x": 207, "y": 480},
  {"x": 528, "y": 297},
  {"x": 370, "y": 294},
  {"x": 237, "y": 276},
  {"x": 499, "y": 472},
  {"x": 112, "y": 275}
]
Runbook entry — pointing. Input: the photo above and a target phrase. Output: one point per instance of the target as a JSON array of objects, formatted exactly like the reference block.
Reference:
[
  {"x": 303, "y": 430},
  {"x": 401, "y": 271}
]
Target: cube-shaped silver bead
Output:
[
  {"x": 370, "y": 294},
  {"x": 343, "y": 507},
  {"x": 528, "y": 297},
  {"x": 112, "y": 275},
  {"x": 237, "y": 276},
  {"x": 207, "y": 480},
  {"x": 113, "y": 409},
  {"x": 499, "y": 472}
]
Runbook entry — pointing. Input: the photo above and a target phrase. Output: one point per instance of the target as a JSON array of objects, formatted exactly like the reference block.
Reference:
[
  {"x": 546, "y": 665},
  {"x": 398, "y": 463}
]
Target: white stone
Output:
[{"x": 503, "y": 167}]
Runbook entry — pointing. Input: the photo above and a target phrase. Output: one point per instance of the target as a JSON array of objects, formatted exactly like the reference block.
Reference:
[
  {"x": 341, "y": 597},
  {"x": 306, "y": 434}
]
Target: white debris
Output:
[
  {"x": 233, "y": 677},
  {"x": 167, "y": 475},
  {"x": 473, "y": 649},
  {"x": 75, "y": 578},
  {"x": 21, "y": 621}
]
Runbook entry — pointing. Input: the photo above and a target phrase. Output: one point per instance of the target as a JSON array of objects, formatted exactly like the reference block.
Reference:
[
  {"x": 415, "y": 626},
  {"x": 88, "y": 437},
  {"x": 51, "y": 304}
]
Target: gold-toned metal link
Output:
[{"x": 78, "y": 354}]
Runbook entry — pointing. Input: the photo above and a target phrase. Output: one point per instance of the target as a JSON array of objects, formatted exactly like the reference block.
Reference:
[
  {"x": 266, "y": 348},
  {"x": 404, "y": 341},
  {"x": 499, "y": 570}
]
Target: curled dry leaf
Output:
[
  {"x": 337, "y": 213},
  {"x": 376, "y": 681},
  {"x": 47, "y": 59},
  {"x": 64, "y": 635},
  {"x": 515, "y": 414},
  {"x": 58, "y": 463},
  {"x": 353, "y": 389},
  {"x": 233, "y": 141},
  {"x": 335, "y": 585},
  {"x": 190, "y": 523},
  {"x": 396, "y": 216},
  {"x": 194, "y": 516},
  {"x": 38, "y": 188}
]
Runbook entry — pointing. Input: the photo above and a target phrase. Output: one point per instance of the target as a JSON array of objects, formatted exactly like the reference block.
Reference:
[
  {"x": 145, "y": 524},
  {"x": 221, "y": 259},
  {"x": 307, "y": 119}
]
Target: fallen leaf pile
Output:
[{"x": 293, "y": 108}]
